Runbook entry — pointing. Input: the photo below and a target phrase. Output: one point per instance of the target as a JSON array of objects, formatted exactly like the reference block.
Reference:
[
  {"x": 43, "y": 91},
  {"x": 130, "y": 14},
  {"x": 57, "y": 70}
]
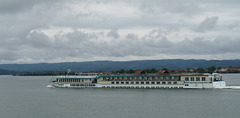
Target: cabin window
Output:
[
  {"x": 153, "y": 82},
  {"x": 197, "y": 78},
  {"x": 137, "y": 82},
  {"x": 163, "y": 82},
  {"x": 158, "y": 82},
  {"x": 127, "y": 82},
  {"x": 176, "y": 79},
  {"x": 169, "y": 82},
  {"x": 174, "y": 82},
  {"x": 117, "y": 82},
  {"x": 186, "y": 78},
  {"x": 132, "y": 82},
  {"x": 142, "y": 82},
  {"x": 112, "y": 82},
  {"x": 147, "y": 82},
  {"x": 203, "y": 78},
  {"x": 186, "y": 85},
  {"x": 192, "y": 78},
  {"x": 122, "y": 82}
]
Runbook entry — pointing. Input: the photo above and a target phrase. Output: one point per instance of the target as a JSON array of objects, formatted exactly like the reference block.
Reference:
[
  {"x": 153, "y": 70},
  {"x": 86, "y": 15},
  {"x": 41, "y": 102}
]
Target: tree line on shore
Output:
[{"x": 210, "y": 69}]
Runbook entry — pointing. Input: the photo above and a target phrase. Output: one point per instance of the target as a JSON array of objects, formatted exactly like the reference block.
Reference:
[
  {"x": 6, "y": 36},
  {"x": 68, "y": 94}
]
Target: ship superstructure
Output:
[{"x": 85, "y": 80}]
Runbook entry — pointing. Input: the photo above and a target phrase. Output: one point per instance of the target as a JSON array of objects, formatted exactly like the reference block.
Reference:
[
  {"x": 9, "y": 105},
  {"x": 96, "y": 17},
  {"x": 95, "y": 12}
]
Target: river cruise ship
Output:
[{"x": 95, "y": 80}]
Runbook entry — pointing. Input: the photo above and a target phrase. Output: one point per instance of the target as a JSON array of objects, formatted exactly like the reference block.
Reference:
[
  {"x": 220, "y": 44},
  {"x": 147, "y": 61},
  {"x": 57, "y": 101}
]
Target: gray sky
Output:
[{"x": 33, "y": 31}]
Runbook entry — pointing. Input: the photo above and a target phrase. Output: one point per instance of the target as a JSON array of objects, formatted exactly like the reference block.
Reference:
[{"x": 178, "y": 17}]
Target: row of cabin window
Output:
[
  {"x": 144, "y": 82},
  {"x": 141, "y": 78},
  {"x": 82, "y": 84},
  {"x": 141, "y": 87},
  {"x": 193, "y": 78},
  {"x": 71, "y": 80}
]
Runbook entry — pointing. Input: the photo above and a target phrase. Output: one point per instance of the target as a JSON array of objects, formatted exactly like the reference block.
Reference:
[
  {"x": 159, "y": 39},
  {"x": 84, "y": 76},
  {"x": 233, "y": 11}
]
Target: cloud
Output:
[
  {"x": 234, "y": 25},
  {"x": 14, "y": 6},
  {"x": 60, "y": 30},
  {"x": 113, "y": 33},
  {"x": 207, "y": 24},
  {"x": 86, "y": 46}
]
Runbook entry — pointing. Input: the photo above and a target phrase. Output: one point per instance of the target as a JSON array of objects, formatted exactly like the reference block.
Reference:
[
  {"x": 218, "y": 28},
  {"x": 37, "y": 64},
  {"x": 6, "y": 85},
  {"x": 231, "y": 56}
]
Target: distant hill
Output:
[
  {"x": 6, "y": 72},
  {"x": 116, "y": 65}
]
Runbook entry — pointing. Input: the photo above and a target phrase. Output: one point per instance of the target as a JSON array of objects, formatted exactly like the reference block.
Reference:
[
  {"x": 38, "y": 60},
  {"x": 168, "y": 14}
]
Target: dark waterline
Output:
[{"x": 28, "y": 97}]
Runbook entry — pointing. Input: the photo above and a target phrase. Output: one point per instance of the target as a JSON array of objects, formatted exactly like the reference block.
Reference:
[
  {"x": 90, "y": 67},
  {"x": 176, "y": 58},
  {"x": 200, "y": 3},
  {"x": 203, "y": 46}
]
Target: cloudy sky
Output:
[{"x": 34, "y": 31}]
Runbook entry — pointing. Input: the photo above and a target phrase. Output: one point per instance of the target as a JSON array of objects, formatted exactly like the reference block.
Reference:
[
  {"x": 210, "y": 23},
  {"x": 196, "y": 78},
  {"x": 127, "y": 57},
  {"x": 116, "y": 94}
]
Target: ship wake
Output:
[
  {"x": 50, "y": 86},
  {"x": 232, "y": 87}
]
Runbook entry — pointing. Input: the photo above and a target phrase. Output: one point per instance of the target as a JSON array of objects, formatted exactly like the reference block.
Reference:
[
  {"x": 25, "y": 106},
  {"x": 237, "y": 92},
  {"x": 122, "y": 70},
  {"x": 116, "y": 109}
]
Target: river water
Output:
[{"x": 28, "y": 97}]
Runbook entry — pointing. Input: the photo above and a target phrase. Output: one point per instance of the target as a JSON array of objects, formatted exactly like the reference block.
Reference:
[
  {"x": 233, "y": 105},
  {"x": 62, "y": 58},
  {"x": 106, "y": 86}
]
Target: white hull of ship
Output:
[{"x": 218, "y": 84}]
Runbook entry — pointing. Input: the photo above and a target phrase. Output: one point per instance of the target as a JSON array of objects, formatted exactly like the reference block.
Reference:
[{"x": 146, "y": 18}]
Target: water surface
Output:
[{"x": 28, "y": 97}]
